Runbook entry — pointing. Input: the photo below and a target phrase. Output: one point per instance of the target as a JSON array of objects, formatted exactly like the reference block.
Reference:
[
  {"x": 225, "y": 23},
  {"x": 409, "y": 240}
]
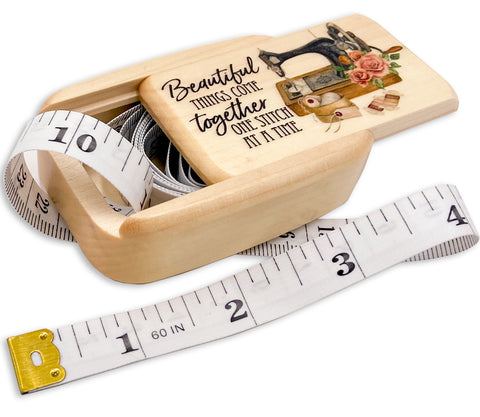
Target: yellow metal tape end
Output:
[{"x": 36, "y": 360}]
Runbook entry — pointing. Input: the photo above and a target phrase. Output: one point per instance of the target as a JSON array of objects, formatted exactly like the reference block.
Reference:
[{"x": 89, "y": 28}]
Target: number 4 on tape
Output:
[
  {"x": 264, "y": 128},
  {"x": 307, "y": 264}
]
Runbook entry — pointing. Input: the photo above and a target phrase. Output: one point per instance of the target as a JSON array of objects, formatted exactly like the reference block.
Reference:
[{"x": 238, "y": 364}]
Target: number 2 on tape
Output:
[{"x": 307, "y": 264}]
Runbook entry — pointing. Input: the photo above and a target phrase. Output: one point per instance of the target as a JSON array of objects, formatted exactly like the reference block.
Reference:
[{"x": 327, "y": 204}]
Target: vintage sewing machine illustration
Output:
[{"x": 356, "y": 68}]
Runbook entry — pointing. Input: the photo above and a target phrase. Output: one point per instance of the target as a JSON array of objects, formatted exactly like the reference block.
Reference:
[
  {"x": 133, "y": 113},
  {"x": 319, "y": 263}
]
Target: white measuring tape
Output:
[
  {"x": 91, "y": 142},
  {"x": 308, "y": 263},
  {"x": 176, "y": 177},
  {"x": 105, "y": 148}
]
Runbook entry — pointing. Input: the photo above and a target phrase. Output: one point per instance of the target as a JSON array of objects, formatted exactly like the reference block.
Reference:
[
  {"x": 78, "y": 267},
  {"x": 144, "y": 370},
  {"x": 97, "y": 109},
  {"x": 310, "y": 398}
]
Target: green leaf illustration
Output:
[
  {"x": 394, "y": 56},
  {"x": 378, "y": 82},
  {"x": 338, "y": 68},
  {"x": 393, "y": 71},
  {"x": 395, "y": 65}
]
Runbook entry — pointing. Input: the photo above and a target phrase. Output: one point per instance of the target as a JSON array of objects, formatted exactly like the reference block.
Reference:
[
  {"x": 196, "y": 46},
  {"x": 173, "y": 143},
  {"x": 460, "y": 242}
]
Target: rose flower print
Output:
[
  {"x": 360, "y": 76},
  {"x": 376, "y": 66},
  {"x": 370, "y": 67}
]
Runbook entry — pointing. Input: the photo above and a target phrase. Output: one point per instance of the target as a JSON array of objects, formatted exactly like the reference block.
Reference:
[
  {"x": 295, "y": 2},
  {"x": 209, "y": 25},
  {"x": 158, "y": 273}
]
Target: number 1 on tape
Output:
[{"x": 307, "y": 264}]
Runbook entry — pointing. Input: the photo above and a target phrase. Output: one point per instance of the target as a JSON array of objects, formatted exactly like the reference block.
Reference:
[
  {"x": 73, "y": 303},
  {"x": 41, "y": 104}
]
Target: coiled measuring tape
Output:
[
  {"x": 120, "y": 151},
  {"x": 91, "y": 142},
  {"x": 306, "y": 264}
]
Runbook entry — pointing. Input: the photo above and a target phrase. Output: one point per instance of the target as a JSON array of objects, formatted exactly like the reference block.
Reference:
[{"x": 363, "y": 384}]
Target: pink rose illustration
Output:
[
  {"x": 376, "y": 66},
  {"x": 355, "y": 55},
  {"x": 359, "y": 76}
]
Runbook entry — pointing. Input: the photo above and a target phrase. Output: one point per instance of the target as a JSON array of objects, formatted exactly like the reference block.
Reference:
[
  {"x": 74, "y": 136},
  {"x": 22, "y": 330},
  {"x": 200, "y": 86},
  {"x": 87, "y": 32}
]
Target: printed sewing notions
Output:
[
  {"x": 222, "y": 110},
  {"x": 389, "y": 100},
  {"x": 235, "y": 130},
  {"x": 356, "y": 68}
]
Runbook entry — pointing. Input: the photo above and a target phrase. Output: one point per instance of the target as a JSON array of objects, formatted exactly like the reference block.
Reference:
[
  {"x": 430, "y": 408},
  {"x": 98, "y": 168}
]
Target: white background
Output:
[{"x": 403, "y": 343}]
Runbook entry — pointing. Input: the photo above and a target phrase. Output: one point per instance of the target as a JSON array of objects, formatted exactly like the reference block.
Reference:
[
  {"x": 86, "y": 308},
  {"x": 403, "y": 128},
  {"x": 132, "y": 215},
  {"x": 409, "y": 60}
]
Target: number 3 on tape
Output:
[{"x": 307, "y": 264}]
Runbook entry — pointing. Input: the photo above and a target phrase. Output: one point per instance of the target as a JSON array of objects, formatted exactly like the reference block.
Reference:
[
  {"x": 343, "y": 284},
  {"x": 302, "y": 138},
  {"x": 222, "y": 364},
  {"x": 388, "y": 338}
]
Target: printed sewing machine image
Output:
[
  {"x": 266, "y": 169},
  {"x": 356, "y": 68}
]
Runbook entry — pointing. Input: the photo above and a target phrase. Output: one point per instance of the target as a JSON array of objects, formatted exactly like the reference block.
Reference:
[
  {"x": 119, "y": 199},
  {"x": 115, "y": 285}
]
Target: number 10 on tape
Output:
[{"x": 306, "y": 265}]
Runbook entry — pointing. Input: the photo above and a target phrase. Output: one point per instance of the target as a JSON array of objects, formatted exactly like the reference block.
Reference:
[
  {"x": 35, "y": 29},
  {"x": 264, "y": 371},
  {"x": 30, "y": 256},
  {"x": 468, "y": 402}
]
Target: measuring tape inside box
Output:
[
  {"x": 307, "y": 264},
  {"x": 106, "y": 148}
]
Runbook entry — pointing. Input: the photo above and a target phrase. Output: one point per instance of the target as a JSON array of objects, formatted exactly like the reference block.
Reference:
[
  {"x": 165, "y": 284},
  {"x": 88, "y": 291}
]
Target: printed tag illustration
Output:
[{"x": 244, "y": 109}]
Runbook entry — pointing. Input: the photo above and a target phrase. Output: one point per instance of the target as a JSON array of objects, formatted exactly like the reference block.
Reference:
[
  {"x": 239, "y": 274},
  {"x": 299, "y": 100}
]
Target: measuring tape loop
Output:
[
  {"x": 308, "y": 264},
  {"x": 86, "y": 139},
  {"x": 122, "y": 151}
]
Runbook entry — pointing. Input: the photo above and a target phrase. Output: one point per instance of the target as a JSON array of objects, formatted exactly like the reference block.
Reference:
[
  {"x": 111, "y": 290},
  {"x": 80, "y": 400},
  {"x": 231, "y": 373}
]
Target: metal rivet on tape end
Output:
[{"x": 30, "y": 375}]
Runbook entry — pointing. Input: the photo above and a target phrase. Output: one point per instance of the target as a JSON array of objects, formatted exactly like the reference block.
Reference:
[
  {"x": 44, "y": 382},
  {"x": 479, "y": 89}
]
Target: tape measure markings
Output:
[
  {"x": 318, "y": 227},
  {"x": 139, "y": 128},
  {"x": 97, "y": 145},
  {"x": 308, "y": 263},
  {"x": 130, "y": 134},
  {"x": 345, "y": 252},
  {"x": 46, "y": 220}
]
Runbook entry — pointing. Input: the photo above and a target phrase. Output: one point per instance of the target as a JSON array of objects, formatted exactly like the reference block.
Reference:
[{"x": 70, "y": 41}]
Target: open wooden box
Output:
[{"x": 259, "y": 186}]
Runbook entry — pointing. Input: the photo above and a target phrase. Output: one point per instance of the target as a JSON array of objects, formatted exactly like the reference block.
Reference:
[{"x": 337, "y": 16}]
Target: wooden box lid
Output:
[{"x": 231, "y": 113}]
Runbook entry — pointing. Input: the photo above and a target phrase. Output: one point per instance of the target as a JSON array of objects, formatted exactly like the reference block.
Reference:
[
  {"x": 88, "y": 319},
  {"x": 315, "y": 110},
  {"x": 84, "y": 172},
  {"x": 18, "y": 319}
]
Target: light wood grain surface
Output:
[
  {"x": 403, "y": 343},
  {"x": 256, "y": 192}
]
